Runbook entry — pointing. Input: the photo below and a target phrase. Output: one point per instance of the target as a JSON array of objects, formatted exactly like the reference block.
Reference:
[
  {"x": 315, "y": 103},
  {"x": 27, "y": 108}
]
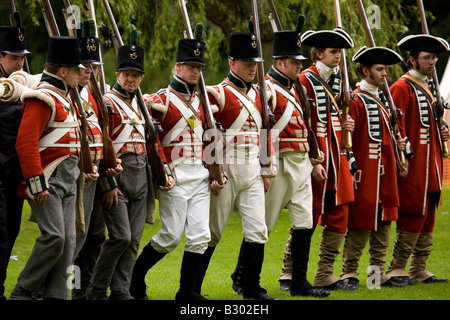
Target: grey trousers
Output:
[
  {"x": 53, "y": 251},
  {"x": 125, "y": 224}
]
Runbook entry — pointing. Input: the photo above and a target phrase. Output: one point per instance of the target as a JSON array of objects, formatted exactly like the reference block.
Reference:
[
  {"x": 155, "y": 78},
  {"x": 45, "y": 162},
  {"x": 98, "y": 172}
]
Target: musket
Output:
[
  {"x": 212, "y": 126},
  {"x": 399, "y": 154},
  {"x": 439, "y": 103},
  {"x": 161, "y": 171},
  {"x": 267, "y": 116},
  {"x": 14, "y": 18},
  {"x": 314, "y": 151},
  {"x": 53, "y": 30},
  {"x": 109, "y": 155},
  {"x": 346, "y": 135},
  {"x": 101, "y": 70}
]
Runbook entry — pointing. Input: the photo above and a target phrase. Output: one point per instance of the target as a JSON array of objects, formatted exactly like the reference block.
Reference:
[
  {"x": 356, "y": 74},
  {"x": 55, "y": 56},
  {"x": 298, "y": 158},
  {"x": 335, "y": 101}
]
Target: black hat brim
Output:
[
  {"x": 336, "y": 38},
  {"x": 376, "y": 55},
  {"x": 130, "y": 69},
  {"x": 16, "y": 52},
  {"x": 423, "y": 42},
  {"x": 254, "y": 59}
]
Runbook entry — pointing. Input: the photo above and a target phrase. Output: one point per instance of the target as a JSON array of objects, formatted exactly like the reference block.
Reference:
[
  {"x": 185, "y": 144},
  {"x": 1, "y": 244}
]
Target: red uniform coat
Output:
[
  {"x": 33, "y": 127},
  {"x": 94, "y": 133},
  {"x": 425, "y": 167},
  {"x": 336, "y": 164},
  {"x": 167, "y": 119},
  {"x": 376, "y": 175},
  {"x": 295, "y": 128},
  {"x": 116, "y": 126}
]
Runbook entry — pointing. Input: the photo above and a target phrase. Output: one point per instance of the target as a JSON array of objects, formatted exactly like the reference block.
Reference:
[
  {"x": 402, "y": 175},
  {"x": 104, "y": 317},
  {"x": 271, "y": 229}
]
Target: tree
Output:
[{"x": 160, "y": 26}]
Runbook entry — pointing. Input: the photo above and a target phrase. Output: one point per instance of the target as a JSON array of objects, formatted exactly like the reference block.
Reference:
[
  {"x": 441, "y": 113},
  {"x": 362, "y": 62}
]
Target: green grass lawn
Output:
[{"x": 163, "y": 278}]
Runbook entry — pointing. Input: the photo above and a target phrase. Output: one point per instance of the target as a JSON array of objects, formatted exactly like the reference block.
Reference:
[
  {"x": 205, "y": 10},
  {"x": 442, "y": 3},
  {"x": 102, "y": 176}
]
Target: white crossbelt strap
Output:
[
  {"x": 249, "y": 109},
  {"x": 61, "y": 128},
  {"x": 91, "y": 117},
  {"x": 127, "y": 124},
  {"x": 183, "y": 122},
  {"x": 287, "y": 114}
]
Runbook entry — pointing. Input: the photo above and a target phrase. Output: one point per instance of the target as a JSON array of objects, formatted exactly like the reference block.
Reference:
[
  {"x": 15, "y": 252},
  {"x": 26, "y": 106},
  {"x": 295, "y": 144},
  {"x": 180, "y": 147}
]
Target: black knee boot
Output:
[
  {"x": 237, "y": 275},
  {"x": 190, "y": 267},
  {"x": 300, "y": 245},
  {"x": 252, "y": 260},
  {"x": 203, "y": 267},
  {"x": 146, "y": 260}
]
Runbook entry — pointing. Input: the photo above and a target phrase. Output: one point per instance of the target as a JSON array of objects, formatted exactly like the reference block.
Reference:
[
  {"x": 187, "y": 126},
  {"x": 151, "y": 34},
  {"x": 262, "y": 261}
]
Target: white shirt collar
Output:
[
  {"x": 364, "y": 85},
  {"x": 325, "y": 71},
  {"x": 418, "y": 75}
]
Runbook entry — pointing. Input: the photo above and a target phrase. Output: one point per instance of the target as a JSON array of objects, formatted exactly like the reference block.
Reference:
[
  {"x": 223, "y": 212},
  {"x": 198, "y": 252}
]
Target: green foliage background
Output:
[{"x": 160, "y": 25}]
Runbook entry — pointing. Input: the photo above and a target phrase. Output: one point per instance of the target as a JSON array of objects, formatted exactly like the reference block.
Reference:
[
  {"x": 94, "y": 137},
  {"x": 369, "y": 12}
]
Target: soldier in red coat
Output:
[
  {"x": 239, "y": 112},
  {"x": 332, "y": 183},
  {"x": 376, "y": 197},
  {"x": 291, "y": 188},
  {"x": 48, "y": 145},
  {"x": 185, "y": 208},
  {"x": 89, "y": 242},
  {"x": 420, "y": 190}
]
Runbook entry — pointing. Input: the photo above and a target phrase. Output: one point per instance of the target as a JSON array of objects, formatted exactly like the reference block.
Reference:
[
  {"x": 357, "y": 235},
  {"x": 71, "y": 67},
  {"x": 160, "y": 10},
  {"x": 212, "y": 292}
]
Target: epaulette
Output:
[
  {"x": 37, "y": 94},
  {"x": 218, "y": 93}
]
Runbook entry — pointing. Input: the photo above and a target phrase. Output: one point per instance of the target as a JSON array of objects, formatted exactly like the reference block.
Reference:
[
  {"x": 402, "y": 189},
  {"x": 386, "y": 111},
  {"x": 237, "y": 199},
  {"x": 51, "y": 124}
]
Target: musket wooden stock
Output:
[
  {"x": 400, "y": 156},
  {"x": 439, "y": 103},
  {"x": 346, "y": 135},
  {"x": 314, "y": 151},
  {"x": 215, "y": 168},
  {"x": 85, "y": 159},
  {"x": 265, "y": 155},
  {"x": 159, "y": 170}
]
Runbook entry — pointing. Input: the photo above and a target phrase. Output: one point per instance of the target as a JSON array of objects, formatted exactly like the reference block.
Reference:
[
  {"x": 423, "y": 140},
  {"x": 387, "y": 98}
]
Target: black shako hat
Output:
[
  {"x": 89, "y": 43},
  {"x": 243, "y": 45},
  {"x": 12, "y": 39},
  {"x": 64, "y": 51},
  {"x": 287, "y": 43},
  {"x": 337, "y": 38},
  {"x": 192, "y": 50},
  {"x": 376, "y": 55},
  {"x": 423, "y": 42},
  {"x": 131, "y": 56}
]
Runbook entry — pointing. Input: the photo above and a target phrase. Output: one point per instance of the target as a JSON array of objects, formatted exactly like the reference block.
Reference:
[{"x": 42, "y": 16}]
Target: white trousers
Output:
[
  {"x": 244, "y": 191},
  {"x": 291, "y": 188},
  {"x": 185, "y": 210}
]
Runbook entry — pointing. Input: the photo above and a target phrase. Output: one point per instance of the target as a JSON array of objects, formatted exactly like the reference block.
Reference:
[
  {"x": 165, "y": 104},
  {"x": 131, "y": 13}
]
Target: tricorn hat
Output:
[
  {"x": 89, "y": 43},
  {"x": 336, "y": 38},
  {"x": 287, "y": 43},
  {"x": 243, "y": 46},
  {"x": 423, "y": 42},
  {"x": 131, "y": 56},
  {"x": 12, "y": 39},
  {"x": 192, "y": 50},
  {"x": 376, "y": 55},
  {"x": 64, "y": 51}
]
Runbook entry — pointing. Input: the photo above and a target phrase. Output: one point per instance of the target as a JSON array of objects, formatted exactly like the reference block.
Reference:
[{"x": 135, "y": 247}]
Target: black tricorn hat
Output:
[
  {"x": 12, "y": 39},
  {"x": 64, "y": 51},
  {"x": 336, "y": 38},
  {"x": 192, "y": 50},
  {"x": 287, "y": 43},
  {"x": 423, "y": 42},
  {"x": 131, "y": 56},
  {"x": 89, "y": 43},
  {"x": 376, "y": 55},
  {"x": 243, "y": 46}
]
